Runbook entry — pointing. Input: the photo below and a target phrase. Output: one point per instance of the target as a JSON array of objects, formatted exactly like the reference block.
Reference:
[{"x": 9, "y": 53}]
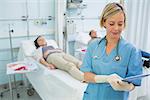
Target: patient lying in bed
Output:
[{"x": 55, "y": 58}]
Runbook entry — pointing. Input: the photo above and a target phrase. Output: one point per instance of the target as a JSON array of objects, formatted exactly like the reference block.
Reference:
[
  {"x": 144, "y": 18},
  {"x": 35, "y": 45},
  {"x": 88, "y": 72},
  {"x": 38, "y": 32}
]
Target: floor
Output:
[
  {"x": 24, "y": 96},
  {"x": 22, "y": 92},
  {"x": 143, "y": 98}
]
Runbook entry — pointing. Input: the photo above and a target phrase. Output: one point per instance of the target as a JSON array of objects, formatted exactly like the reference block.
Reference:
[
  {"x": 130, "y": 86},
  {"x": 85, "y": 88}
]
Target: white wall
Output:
[
  {"x": 37, "y": 11},
  {"x": 12, "y": 12},
  {"x": 88, "y": 18}
]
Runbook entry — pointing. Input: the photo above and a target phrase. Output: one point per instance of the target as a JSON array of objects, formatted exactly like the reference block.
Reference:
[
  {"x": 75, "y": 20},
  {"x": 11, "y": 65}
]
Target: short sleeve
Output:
[
  {"x": 87, "y": 61},
  {"x": 135, "y": 66}
]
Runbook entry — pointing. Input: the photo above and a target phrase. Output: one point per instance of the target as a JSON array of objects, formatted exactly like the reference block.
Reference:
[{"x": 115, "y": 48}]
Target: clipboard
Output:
[{"x": 135, "y": 77}]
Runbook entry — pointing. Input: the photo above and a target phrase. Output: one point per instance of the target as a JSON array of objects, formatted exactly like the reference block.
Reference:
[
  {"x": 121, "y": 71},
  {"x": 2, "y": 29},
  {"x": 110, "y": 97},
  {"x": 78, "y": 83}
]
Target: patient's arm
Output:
[{"x": 51, "y": 66}]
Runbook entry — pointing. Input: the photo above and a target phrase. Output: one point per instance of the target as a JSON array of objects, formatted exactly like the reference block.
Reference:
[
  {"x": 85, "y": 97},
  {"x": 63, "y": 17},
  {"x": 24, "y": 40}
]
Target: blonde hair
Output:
[{"x": 110, "y": 10}]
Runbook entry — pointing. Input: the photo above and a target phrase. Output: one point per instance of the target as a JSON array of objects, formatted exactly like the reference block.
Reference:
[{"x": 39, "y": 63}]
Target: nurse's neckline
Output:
[
  {"x": 110, "y": 48},
  {"x": 111, "y": 41}
]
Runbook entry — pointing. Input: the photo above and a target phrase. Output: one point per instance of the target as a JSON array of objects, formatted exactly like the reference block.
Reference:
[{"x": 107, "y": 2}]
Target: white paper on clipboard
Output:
[{"x": 136, "y": 77}]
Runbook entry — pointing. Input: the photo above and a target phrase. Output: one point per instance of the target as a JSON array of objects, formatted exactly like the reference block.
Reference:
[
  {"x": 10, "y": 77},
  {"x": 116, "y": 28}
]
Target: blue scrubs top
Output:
[{"x": 98, "y": 62}]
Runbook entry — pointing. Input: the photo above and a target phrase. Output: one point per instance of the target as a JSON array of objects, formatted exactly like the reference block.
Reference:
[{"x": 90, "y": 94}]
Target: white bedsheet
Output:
[{"x": 55, "y": 84}]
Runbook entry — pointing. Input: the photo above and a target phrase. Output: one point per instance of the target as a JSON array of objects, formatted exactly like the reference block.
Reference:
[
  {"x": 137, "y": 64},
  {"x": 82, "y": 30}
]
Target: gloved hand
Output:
[
  {"x": 117, "y": 84},
  {"x": 101, "y": 78},
  {"x": 105, "y": 78}
]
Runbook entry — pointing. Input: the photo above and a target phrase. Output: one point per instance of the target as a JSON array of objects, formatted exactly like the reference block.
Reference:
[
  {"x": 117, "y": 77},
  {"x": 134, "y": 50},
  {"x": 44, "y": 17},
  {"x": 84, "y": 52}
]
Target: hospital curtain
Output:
[
  {"x": 138, "y": 33},
  {"x": 138, "y": 23},
  {"x": 59, "y": 19}
]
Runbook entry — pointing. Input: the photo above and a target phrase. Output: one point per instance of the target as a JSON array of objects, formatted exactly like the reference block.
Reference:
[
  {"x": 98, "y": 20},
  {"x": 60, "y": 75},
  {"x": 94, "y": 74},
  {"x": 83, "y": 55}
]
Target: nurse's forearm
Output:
[
  {"x": 101, "y": 78},
  {"x": 93, "y": 78},
  {"x": 89, "y": 77}
]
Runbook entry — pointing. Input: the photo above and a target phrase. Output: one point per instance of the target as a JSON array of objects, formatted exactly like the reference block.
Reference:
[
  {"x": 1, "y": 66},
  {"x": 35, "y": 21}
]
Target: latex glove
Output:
[
  {"x": 101, "y": 78},
  {"x": 105, "y": 78},
  {"x": 125, "y": 86},
  {"x": 117, "y": 84}
]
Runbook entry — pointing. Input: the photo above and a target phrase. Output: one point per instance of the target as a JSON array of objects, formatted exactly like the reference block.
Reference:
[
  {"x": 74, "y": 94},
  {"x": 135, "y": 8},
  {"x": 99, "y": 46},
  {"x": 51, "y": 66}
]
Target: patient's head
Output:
[
  {"x": 40, "y": 41},
  {"x": 93, "y": 34}
]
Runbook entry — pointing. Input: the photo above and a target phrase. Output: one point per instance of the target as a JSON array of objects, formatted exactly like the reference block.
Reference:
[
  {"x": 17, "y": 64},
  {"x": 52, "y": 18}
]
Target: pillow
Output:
[
  {"x": 28, "y": 46},
  {"x": 83, "y": 38}
]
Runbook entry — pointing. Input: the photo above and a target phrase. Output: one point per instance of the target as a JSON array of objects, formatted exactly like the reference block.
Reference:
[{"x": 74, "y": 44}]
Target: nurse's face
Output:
[
  {"x": 41, "y": 41},
  {"x": 114, "y": 25}
]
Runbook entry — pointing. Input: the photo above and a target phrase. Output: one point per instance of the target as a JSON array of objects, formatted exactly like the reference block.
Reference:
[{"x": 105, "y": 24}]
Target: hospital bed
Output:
[
  {"x": 58, "y": 84},
  {"x": 50, "y": 84},
  {"x": 80, "y": 45}
]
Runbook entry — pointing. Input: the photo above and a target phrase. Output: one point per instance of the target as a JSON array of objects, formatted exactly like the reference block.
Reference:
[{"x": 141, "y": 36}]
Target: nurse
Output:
[{"x": 110, "y": 59}]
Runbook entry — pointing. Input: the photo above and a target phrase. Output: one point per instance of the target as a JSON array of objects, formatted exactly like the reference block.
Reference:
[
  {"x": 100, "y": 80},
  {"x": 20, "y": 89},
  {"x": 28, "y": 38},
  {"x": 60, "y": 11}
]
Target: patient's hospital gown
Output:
[{"x": 98, "y": 62}]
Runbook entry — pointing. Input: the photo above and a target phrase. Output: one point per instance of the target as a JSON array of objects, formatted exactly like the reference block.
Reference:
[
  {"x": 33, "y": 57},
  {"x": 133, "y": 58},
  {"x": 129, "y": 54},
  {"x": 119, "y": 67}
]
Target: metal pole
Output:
[
  {"x": 10, "y": 88},
  {"x": 27, "y": 20},
  {"x": 10, "y": 40},
  {"x": 12, "y": 56}
]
